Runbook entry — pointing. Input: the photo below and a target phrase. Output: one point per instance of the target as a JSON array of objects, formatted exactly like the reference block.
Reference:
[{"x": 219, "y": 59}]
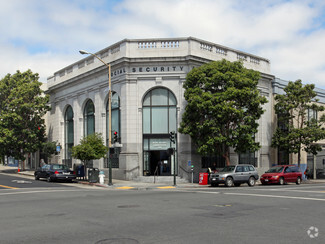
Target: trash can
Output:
[
  {"x": 80, "y": 170},
  {"x": 203, "y": 178},
  {"x": 93, "y": 174}
]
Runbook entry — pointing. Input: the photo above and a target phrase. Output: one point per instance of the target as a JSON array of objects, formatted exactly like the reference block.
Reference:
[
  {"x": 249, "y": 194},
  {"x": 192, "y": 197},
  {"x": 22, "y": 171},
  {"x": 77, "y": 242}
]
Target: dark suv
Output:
[{"x": 235, "y": 175}]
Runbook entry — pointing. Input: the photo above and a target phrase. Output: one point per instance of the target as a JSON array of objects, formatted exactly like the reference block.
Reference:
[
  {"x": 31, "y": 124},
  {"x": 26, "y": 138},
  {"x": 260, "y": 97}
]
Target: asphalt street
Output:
[
  {"x": 13, "y": 181},
  {"x": 83, "y": 214}
]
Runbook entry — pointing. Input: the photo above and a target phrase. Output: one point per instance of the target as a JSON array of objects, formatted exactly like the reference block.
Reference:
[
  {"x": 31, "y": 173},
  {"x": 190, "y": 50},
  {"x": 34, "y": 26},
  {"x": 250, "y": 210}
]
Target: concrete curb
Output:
[{"x": 132, "y": 185}]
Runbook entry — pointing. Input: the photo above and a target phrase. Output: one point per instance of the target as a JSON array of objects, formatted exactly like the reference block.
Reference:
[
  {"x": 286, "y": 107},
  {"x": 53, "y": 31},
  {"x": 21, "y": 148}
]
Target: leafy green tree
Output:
[
  {"x": 49, "y": 149},
  {"x": 298, "y": 132},
  {"x": 90, "y": 147},
  {"x": 223, "y": 106},
  {"x": 22, "y": 107}
]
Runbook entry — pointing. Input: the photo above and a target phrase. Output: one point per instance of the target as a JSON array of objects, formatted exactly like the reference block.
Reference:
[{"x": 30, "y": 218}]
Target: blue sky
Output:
[{"x": 45, "y": 36}]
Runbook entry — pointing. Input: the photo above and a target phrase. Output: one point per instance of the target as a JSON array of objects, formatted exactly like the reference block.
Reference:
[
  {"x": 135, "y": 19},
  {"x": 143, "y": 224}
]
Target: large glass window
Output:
[
  {"x": 247, "y": 158},
  {"x": 159, "y": 112},
  {"x": 89, "y": 118},
  {"x": 209, "y": 161},
  {"x": 283, "y": 154},
  {"x": 312, "y": 114},
  {"x": 69, "y": 132}
]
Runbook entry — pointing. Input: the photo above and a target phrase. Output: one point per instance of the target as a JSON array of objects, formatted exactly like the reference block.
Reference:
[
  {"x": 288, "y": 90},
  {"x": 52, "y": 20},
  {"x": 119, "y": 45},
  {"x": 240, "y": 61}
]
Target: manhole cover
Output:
[{"x": 118, "y": 241}]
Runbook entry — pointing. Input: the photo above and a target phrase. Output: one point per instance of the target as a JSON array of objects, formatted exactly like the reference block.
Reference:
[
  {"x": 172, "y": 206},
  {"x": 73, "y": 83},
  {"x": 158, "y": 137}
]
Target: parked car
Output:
[
  {"x": 282, "y": 174},
  {"x": 53, "y": 172},
  {"x": 235, "y": 175}
]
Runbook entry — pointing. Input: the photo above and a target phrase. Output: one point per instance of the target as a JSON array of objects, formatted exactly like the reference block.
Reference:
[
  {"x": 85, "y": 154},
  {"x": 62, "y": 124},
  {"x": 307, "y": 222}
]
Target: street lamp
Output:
[{"x": 109, "y": 110}]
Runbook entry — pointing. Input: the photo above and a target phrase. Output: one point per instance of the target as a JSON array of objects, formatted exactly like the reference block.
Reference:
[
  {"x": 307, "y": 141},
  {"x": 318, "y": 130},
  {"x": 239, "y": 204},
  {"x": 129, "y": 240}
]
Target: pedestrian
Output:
[
  {"x": 42, "y": 163},
  {"x": 307, "y": 173}
]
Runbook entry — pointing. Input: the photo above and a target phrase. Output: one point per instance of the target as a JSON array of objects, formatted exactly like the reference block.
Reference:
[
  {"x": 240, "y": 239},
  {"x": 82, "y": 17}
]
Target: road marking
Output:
[
  {"x": 124, "y": 187},
  {"x": 9, "y": 187},
  {"x": 166, "y": 187},
  {"x": 290, "y": 188},
  {"x": 22, "y": 181},
  {"x": 47, "y": 191},
  {"x": 275, "y": 196}
]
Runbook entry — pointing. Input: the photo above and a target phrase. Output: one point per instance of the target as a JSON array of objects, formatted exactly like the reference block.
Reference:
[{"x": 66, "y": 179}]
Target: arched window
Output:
[
  {"x": 159, "y": 112},
  {"x": 115, "y": 112},
  {"x": 68, "y": 132},
  {"x": 159, "y": 118},
  {"x": 89, "y": 118}
]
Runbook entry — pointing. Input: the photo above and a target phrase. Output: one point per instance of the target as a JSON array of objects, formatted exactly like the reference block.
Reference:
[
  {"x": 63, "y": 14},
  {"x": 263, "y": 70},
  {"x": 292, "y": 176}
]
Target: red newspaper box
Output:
[{"x": 203, "y": 178}]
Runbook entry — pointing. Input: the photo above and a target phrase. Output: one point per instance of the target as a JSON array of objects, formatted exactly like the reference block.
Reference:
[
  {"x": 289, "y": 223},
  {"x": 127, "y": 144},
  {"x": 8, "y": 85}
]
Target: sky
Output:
[{"x": 46, "y": 35}]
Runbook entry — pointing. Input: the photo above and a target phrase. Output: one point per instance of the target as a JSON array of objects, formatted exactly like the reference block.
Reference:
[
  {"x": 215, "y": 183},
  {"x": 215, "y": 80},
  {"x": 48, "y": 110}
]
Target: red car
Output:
[{"x": 282, "y": 174}]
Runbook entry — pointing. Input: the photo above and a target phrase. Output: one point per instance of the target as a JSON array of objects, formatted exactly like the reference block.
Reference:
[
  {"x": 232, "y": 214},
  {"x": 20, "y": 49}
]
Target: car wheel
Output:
[
  {"x": 237, "y": 184},
  {"x": 36, "y": 177},
  {"x": 251, "y": 181},
  {"x": 298, "y": 181},
  {"x": 48, "y": 179},
  {"x": 281, "y": 181},
  {"x": 229, "y": 182}
]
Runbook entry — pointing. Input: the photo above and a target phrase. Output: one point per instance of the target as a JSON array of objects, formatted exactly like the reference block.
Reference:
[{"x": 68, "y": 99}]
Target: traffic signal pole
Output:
[{"x": 172, "y": 140}]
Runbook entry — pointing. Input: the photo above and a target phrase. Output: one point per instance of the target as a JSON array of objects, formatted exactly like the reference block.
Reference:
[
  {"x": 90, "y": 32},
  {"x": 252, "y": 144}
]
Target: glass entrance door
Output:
[
  {"x": 159, "y": 163},
  {"x": 156, "y": 160}
]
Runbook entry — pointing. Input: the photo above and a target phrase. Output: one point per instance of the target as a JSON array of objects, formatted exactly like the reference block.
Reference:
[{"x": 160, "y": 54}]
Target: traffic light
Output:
[
  {"x": 115, "y": 139},
  {"x": 172, "y": 136}
]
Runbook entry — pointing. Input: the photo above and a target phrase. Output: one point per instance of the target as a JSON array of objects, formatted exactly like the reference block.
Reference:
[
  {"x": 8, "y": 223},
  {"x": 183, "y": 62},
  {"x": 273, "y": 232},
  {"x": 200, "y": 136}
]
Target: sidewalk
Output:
[
  {"x": 118, "y": 184},
  {"x": 132, "y": 185}
]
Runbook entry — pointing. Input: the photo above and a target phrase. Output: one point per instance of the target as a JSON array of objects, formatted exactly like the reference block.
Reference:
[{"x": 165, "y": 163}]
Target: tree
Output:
[
  {"x": 22, "y": 107},
  {"x": 49, "y": 149},
  {"x": 297, "y": 131},
  {"x": 90, "y": 147},
  {"x": 223, "y": 106}
]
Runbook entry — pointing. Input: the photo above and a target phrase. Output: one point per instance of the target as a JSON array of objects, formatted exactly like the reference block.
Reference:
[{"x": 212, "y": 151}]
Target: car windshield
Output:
[
  {"x": 62, "y": 167},
  {"x": 228, "y": 169},
  {"x": 274, "y": 170}
]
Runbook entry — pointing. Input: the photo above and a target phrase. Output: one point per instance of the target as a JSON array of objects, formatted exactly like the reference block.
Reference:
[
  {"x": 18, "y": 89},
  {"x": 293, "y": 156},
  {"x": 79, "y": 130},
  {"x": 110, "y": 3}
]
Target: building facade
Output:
[{"x": 147, "y": 78}]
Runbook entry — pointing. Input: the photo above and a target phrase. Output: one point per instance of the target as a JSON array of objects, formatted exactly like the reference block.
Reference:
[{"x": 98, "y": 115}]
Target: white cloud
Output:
[{"x": 46, "y": 35}]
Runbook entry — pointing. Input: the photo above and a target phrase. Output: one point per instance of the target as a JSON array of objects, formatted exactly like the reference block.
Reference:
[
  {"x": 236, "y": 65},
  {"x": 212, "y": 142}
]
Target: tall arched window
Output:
[
  {"x": 115, "y": 112},
  {"x": 89, "y": 118},
  {"x": 68, "y": 133},
  {"x": 159, "y": 118},
  {"x": 159, "y": 112}
]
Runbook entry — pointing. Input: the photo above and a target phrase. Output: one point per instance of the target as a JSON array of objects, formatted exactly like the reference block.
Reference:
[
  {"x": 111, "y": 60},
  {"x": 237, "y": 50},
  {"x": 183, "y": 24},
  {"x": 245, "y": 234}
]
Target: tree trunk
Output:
[
  {"x": 85, "y": 169},
  {"x": 226, "y": 156}
]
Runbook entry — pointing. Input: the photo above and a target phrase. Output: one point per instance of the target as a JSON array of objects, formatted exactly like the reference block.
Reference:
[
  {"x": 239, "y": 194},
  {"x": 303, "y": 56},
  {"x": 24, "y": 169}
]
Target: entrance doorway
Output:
[{"x": 159, "y": 163}]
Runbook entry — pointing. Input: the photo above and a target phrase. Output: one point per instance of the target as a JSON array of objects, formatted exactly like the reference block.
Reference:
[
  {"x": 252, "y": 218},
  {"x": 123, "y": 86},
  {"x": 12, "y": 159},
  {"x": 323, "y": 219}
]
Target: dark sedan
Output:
[{"x": 53, "y": 172}]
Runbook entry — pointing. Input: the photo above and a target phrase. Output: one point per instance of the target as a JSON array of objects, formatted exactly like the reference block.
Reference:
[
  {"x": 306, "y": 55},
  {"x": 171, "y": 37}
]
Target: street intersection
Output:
[{"x": 42, "y": 212}]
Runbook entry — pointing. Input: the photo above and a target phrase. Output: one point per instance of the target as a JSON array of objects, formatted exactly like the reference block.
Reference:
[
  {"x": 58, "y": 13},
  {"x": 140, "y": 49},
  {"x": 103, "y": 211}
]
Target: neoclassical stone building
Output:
[{"x": 147, "y": 103}]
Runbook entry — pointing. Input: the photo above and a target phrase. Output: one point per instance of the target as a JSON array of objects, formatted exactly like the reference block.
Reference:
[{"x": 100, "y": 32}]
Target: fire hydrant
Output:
[{"x": 101, "y": 177}]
